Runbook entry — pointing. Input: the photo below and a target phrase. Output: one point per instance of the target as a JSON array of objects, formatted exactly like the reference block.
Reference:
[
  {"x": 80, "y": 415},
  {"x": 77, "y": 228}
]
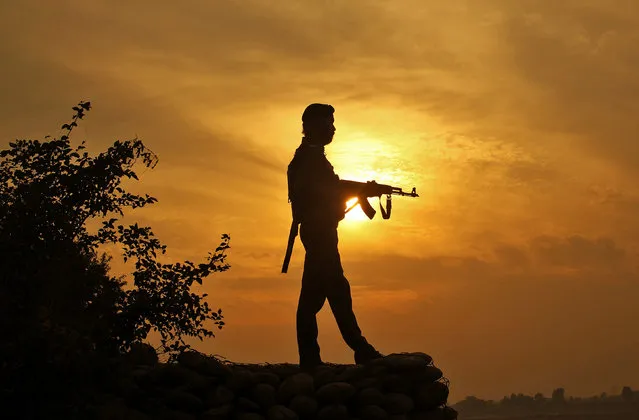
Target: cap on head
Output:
[{"x": 316, "y": 111}]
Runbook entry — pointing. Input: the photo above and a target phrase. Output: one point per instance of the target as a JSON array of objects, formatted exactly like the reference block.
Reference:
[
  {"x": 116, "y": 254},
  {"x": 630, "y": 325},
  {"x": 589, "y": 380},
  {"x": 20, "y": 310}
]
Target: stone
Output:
[
  {"x": 137, "y": 415},
  {"x": 183, "y": 401},
  {"x": 245, "y": 404},
  {"x": 432, "y": 395},
  {"x": 267, "y": 378},
  {"x": 373, "y": 412},
  {"x": 142, "y": 354},
  {"x": 297, "y": 384},
  {"x": 376, "y": 370},
  {"x": 141, "y": 375},
  {"x": 395, "y": 382},
  {"x": 218, "y": 413},
  {"x": 241, "y": 380},
  {"x": 153, "y": 406},
  {"x": 219, "y": 396},
  {"x": 372, "y": 382},
  {"x": 199, "y": 385},
  {"x": 404, "y": 386},
  {"x": 395, "y": 403},
  {"x": 333, "y": 412},
  {"x": 250, "y": 416},
  {"x": 449, "y": 413},
  {"x": 335, "y": 393},
  {"x": 264, "y": 395},
  {"x": 284, "y": 370},
  {"x": 213, "y": 367},
  {"x": 324, "y": 375},
  {"x": 172, "y": 375},
  {"x": 127, "y": 388},
  {"x": 439, "y": 413},
  {"x": 116, "y": 409},
  {"x": 351, "y": 374},
  {"x": 436, "y": 414},
  {"x": 177, "y": 415},
  {"x": 280, "y": 412},
  {"x": 304, "y": 406},
  {"x": 405, "y": 362},
  {"x": 191, "y": 359},
  {"x": 428, "y": 375},
  {"x": 369, "y": 396}
]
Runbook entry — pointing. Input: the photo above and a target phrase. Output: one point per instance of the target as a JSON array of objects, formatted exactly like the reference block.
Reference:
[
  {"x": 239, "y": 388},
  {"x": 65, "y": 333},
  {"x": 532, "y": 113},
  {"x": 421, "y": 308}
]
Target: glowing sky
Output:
[{"x": 516, "y": 269}]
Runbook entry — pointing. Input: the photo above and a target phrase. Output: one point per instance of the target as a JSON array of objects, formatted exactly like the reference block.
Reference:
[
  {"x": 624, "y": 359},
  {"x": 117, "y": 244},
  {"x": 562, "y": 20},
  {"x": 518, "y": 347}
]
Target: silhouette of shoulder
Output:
[{"x": 311, "y": 162}]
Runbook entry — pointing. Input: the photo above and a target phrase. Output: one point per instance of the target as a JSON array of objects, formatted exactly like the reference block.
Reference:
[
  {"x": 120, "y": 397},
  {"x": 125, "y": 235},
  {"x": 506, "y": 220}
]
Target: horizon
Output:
[{"x": 516, "y": 267}]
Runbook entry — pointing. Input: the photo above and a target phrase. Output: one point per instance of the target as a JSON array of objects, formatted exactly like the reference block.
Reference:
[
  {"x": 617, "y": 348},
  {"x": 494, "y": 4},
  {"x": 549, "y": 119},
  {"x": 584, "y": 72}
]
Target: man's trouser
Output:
[{"x": 323, "y": 279}]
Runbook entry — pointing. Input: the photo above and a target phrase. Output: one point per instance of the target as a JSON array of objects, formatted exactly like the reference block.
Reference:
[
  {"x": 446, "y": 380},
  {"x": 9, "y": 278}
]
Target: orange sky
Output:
[{"x": 516, "y": 121}]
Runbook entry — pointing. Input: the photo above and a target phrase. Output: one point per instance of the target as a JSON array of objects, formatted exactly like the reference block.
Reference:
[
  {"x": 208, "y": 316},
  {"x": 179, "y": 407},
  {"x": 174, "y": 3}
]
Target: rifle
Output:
[{"x": 362, "y": 191}]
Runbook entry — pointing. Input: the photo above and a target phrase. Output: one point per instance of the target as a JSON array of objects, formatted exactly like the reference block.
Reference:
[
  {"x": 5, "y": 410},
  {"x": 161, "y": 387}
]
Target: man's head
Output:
[{"x": 318, "y": 123}]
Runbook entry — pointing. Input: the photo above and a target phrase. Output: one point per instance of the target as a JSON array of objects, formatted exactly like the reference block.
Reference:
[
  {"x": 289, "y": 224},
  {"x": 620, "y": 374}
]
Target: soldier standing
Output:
[{"x": 318, "y": 201}]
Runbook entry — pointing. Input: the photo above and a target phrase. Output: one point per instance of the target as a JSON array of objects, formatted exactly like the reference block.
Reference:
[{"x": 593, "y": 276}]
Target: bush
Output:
[{"x": 59, "y": 302}]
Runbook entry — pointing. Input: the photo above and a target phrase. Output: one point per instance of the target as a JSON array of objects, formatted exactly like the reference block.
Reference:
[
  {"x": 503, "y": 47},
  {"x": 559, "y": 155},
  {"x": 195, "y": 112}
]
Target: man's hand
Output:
[
  {"x": 351, "y": 189},
  {"x": 372, "y": 189}
]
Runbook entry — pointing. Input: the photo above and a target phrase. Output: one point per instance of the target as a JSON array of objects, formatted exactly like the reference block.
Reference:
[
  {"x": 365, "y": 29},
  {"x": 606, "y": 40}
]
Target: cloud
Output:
[
  {"x": 581, "y": 59},
  {"x": 577, "y": 252}
]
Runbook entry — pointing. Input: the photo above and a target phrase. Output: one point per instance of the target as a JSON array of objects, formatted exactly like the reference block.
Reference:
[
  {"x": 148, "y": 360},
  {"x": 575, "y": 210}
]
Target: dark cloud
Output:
[
  {"x": 512, "y": 256},
  {"x": 582, "y": 255},
  {"x": 578, "y": 252}
]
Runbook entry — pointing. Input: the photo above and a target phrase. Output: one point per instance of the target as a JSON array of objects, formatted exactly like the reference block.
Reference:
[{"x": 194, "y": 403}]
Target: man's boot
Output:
[
  {"x": 366, "y": 354},
  {"x": 308, "y": 364}
]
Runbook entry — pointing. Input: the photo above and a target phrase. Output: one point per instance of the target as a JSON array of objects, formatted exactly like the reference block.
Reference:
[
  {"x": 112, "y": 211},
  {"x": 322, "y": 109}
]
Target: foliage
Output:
[
  {"x": 520, "y": 405},
  {"x": 56, "y": 292}
]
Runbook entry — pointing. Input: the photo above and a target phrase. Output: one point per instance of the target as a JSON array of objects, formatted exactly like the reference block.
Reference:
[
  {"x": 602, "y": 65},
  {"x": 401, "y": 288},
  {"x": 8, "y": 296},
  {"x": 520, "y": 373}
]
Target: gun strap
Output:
[{"x": 389, "y": 206}]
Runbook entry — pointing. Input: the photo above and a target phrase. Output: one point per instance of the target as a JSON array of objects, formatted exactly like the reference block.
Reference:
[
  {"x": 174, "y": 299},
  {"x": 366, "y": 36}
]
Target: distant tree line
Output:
[{"x": 558, "y": 402}]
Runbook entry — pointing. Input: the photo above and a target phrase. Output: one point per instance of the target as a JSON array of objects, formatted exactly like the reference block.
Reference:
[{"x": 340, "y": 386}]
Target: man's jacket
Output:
[{"x": 313, "y": 187}]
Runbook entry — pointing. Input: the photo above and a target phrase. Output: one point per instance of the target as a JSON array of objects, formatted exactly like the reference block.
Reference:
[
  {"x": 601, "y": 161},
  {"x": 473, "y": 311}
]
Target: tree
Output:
[
  {"x": 627, "y": 394},
  {"x": 57, "y": 298},
  {"x": 559, "y": 396}
]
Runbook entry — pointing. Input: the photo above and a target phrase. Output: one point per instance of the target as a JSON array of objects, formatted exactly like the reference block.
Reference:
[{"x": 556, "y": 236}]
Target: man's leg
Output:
[
  {"x": 312, "y": 297},
  {"x": 341, "y": 302}
]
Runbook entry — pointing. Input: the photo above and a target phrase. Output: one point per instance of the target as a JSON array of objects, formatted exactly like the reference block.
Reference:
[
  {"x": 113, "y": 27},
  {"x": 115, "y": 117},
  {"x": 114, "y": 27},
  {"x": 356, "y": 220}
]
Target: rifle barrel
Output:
[{"x": 399, "y": 191}]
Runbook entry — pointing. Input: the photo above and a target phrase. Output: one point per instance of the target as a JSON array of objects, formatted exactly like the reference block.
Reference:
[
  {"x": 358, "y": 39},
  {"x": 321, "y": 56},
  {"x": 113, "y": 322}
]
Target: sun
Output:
[
  {"x": 356, "y": 214},
  {"x": 363, "y": 156}
]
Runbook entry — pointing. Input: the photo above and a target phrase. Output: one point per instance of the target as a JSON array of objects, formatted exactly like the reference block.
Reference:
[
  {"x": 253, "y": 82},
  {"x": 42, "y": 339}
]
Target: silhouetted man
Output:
[{"x": 318, "y": 201}]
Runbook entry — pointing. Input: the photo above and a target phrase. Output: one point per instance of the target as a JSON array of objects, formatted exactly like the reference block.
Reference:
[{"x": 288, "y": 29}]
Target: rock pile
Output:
[{"x": 198, "y": 387}]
